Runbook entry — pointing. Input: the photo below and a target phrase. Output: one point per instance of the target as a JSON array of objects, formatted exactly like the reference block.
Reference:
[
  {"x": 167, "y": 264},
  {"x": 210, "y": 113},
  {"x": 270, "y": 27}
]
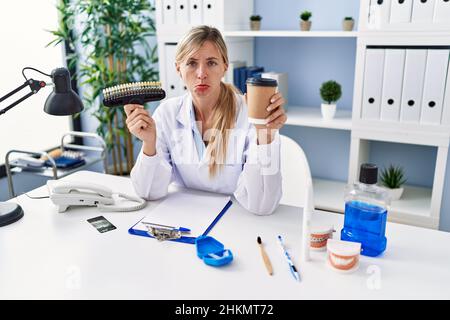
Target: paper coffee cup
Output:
[{"x": 259, "y": 92}]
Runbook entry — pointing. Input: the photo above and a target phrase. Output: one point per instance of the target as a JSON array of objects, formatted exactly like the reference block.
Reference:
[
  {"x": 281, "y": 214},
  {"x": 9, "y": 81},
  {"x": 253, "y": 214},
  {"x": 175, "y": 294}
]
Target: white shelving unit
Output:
[
  {"x": 413, "y": 207},
  {"x": 418, "y": 206},
  {"x": 292, "y": 33},
  {"x": 393, "y": 27},
  {"x": 311, "y": 117}
]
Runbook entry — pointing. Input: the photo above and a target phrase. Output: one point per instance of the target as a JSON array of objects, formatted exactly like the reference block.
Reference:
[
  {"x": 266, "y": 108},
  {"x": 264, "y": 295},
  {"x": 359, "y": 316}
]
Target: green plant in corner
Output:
[
  {"x": 348, "y": 18},
  {"x": 392, "y": 177},
  {"x": 330, "y": 91},
  {"x": 112, "y": 47},
  {"x": 255, "y": 18},
  {"x": 305, "y": 15}
]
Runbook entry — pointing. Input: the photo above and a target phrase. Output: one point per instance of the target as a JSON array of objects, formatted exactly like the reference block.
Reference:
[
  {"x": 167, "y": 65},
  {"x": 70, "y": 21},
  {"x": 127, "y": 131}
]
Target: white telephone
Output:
[{"x": 78, "y": 193}]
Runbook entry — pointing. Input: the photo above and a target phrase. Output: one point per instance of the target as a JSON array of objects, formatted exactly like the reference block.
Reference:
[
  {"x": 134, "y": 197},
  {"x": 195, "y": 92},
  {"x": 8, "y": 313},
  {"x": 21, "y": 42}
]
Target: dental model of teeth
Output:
[
  {"x": 319, "y": 237},
  {"x": 343, "y": 256}
]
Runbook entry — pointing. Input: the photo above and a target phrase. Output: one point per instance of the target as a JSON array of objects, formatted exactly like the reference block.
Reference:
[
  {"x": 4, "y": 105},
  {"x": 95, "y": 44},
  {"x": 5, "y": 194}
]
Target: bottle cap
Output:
[{"x": 368, "y": 173}]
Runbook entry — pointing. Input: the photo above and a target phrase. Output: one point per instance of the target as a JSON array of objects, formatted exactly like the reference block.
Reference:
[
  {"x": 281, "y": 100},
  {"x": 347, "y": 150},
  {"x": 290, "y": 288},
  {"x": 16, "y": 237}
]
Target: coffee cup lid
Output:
[{"x": 265, "y": 82}]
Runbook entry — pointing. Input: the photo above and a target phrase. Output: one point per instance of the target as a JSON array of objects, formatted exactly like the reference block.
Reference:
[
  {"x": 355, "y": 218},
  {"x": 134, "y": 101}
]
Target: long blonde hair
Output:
[{"x": 225, "y": 108}]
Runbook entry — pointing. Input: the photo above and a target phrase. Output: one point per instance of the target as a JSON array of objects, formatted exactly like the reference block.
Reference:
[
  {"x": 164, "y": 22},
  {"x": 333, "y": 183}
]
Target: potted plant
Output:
[
  {"x": 392, "y": 178},
  {"x": 330, "y": 92},
  {"x": 110, "y": 46},
  {"x": 305, "y": 23},
  {"x": 348, "y": 23},
  {"x": 255, "y": 22}
]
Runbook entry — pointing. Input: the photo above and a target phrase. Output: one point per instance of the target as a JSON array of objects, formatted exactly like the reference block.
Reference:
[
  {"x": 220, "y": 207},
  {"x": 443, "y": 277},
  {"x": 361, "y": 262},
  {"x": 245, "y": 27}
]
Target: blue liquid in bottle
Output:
[
  {"x": 365, "y": 223},
  {"x": 366, "y": 213}
]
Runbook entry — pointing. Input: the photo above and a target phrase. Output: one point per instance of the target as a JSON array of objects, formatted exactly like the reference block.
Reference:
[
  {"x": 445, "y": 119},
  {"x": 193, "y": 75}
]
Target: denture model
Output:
[
  {"x": 319, "y": 237},
  {"x": 343, "y": 256}
]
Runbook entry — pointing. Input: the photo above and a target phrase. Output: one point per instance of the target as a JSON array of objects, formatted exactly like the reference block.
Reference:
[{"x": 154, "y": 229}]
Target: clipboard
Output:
[{"x": 207, "y": 210}]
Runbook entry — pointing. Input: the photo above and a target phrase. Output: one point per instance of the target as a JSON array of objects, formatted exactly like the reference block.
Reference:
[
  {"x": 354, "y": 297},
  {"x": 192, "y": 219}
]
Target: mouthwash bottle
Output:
[{"x": 366, "y": 207}]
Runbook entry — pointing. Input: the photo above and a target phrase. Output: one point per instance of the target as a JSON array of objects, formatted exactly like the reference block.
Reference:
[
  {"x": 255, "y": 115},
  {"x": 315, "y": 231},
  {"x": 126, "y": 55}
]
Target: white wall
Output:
[{"x": 23, "y": 37}]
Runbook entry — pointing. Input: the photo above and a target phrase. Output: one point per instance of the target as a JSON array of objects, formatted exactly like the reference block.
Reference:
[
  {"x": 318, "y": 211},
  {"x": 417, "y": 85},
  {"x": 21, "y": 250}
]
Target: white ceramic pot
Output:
[
  {"x": 347, "y": 25},
  {"x": 395, "y": 194},
  {"x": 328, "y": 110}
]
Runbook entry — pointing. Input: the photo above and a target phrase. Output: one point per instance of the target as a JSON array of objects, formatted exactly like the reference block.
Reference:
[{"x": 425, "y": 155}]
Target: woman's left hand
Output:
[{"x": 275, "y": 120}]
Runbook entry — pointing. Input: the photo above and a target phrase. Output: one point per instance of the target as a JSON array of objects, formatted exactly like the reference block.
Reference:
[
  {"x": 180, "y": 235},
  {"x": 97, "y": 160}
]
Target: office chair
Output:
[{"x": 297, "y": 186}]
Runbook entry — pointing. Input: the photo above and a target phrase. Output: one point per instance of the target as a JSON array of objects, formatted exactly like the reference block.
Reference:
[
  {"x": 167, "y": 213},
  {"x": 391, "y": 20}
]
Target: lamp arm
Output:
[{"x": 34, "y": 85}]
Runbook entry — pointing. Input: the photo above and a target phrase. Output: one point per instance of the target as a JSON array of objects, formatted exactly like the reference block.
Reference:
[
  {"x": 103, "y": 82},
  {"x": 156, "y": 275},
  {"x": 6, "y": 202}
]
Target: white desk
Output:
[{"x": 61, "y": 256}]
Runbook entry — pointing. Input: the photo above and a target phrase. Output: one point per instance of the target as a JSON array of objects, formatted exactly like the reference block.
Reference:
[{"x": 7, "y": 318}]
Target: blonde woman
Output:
[{"x": 203, "y": 139}]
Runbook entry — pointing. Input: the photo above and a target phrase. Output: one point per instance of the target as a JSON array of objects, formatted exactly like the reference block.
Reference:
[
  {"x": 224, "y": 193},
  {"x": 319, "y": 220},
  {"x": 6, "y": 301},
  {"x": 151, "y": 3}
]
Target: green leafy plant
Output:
[
  {"x": 305, "y": 15},
  {"x": 392, "y": 177},
  {"x": 330, "y": 91},
  {"x": 111, "y": 46},
  {"x": 348, "y": 18},
  {"x": 255, "y": 17}
]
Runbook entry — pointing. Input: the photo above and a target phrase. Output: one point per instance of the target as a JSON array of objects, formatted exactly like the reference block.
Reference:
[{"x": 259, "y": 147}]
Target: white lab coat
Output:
[{"x": 251, "y": 172}]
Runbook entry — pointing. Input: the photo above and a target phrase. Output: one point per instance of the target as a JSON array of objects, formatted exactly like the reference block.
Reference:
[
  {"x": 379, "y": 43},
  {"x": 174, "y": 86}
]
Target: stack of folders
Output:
[
  {"x": 68, "y": 159},
  {"x": 238, "y": 73},
  {"x": 406, "y": 85}
]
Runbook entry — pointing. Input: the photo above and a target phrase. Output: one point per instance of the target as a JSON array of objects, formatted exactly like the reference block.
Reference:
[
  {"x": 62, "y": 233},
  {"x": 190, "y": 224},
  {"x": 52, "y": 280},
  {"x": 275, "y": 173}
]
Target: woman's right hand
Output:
[{"x": 142, "y": 126}]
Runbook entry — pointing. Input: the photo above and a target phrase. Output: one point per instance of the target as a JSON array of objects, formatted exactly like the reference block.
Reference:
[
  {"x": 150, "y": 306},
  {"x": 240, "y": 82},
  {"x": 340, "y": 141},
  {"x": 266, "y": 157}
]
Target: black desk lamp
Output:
[{"x": 63, "y": 101}]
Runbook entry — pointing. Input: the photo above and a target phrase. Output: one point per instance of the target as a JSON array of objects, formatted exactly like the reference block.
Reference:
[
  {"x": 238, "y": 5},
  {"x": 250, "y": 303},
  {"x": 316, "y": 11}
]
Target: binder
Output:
[
  {"x": 442, "y": 12},
  {"x": 211, "y": 14},
  {"x": 168, "y": 12},
  {"x": 182, "y": 11},
  {"x": 182, "y": 89},
  {"x": 373, "y": 81},
  {"x": 379, "y": 14},
  {"x": 242, "y": 79},
  {"x": 253, "y": 72},
  {"x": 415, "y": 62},
  {"x": 207, "y": 210},
  {"x": 159, "y": 12},
  {"x": 423, "y": 11},
  {"x": 63, "y": 162},
  {"x": 237, "y": 72},
  {"x": 173, "y": 87},
  {"x": 196, "y": 12},
  {"x": 392, "y": 84},
  {"x": 434, "y": 85},
  {"x": 446, "y": 104},
  {"x": 401, "y": 11}
]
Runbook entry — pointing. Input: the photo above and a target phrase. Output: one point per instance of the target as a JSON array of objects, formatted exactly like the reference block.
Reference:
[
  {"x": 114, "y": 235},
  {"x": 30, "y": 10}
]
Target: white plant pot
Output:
[
  {"x": 328, "y": 111},
  {"x": 347, "y": 25},
  {"x": 395, "y": 194}
]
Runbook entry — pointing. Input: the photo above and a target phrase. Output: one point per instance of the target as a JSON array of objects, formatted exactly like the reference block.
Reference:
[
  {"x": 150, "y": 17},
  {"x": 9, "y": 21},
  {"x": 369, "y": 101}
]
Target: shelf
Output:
[
  {"x": 413, "y": 208},
  {"x": 48, "y": 171},
  {"x": 312, "y": 117},
  {"x": 292, "y": 33}
]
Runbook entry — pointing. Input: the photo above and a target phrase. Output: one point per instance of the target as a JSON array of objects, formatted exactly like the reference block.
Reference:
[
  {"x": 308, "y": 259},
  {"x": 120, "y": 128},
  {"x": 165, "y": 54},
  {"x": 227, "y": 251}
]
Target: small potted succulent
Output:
[
  {"x": 305, "y": 23},
  {"x": 392, "y": 178},
  {"x": 348, "y": 23},
  {"x": 330, "y": 92},
  {"x": 255, "y": 22}
]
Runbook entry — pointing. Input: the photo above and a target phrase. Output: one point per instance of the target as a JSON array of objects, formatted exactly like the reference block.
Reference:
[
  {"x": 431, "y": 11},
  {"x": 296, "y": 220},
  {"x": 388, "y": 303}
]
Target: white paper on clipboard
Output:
[{"x": 192, "y": 210}]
